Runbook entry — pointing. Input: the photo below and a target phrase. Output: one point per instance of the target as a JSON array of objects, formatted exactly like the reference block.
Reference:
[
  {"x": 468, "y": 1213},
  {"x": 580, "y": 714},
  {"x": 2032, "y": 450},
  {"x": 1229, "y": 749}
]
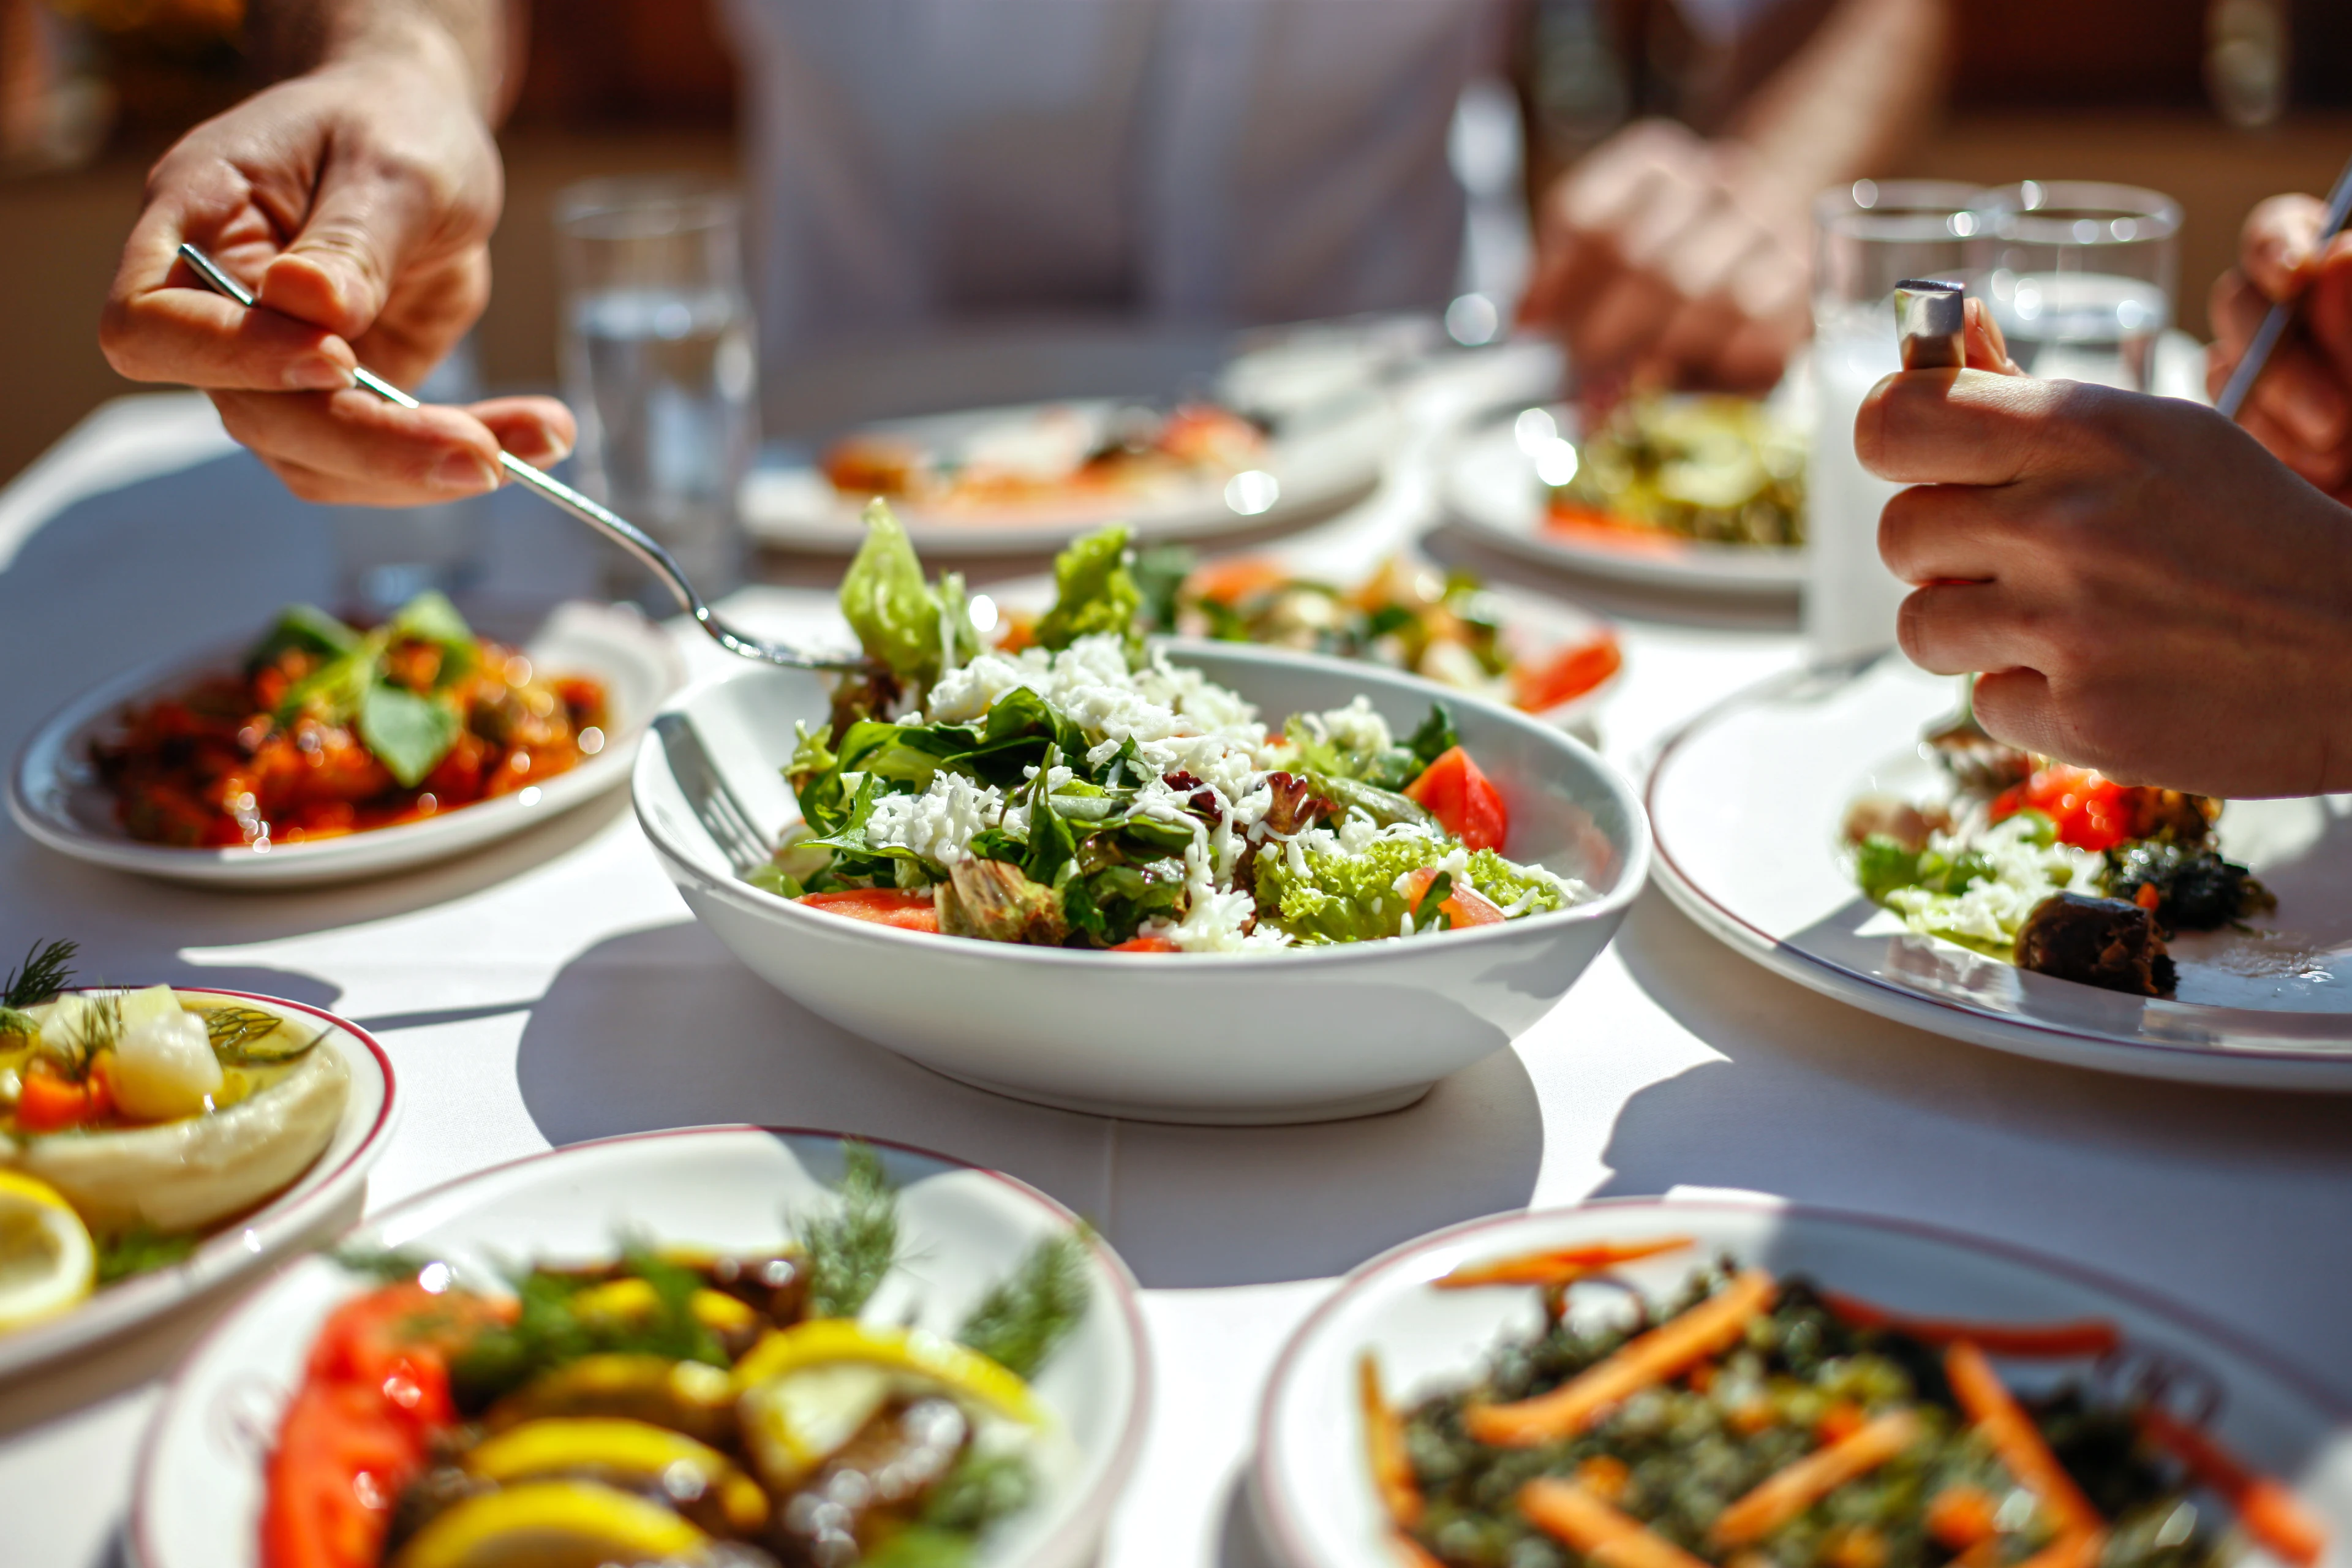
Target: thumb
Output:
[{"x": 339, "y": 271}]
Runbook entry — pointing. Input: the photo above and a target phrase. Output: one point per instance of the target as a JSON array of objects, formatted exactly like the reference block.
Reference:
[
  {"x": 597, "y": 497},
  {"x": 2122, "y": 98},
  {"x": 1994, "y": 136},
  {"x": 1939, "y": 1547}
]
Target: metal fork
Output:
[
  {"x": 715, "y": 805},
  {"x": 604, "y": 520}
]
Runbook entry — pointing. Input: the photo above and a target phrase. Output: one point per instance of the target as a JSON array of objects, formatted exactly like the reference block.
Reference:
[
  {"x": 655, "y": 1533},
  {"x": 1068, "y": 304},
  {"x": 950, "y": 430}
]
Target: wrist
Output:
[{"x": 446, "y": 41}]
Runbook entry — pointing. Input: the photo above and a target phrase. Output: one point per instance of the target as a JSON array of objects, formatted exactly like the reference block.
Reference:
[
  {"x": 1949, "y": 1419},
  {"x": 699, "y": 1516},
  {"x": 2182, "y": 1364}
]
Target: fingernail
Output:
[
  {"x": 554, "y": 444},
  {"x": 465, "y": 472},
  {"x": 317, "y": 373}
]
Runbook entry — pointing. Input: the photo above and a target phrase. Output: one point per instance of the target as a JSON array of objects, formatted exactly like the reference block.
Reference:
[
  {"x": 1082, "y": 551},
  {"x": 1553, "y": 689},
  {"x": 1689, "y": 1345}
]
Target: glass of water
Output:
[
  {"x": 1868, "y": 236},
  {"x": 2080, "y": 275},
  {"x": 658, "y": 366}
]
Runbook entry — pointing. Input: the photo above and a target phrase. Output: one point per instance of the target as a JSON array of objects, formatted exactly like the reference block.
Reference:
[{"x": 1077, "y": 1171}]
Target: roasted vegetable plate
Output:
[
  {"x": 906, "y": 1362},
  {"x": 1702, "y": 1386},
  {"x": 152, "y": 1140}
]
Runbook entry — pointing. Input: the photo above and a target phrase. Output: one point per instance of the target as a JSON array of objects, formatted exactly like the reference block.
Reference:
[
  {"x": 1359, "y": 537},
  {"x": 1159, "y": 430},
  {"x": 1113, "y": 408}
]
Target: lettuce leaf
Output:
[
  {"x": 1353, "y": 898},
  {"x": 886, "y": 603},
  {"x": 1093, "y": 591}
]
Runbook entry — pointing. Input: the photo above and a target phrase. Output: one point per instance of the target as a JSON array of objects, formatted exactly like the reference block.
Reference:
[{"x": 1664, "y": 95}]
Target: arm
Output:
[
  {"x": 356, "y": 199},
  {"x": 1661, "y": 257}
]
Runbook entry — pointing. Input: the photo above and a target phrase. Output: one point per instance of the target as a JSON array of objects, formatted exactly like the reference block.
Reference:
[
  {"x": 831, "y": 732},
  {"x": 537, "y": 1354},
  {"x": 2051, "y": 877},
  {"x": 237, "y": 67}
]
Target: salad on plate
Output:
[
  {"x": 2057, "y": 868},
  {"x": 1756, "y": 1422},
  {"x": 133, "y": 1124},
  {"x": 669, "y": 1404},
  {"x": 1706, "y": 467},
  {"x": 1085, "y": 790}
]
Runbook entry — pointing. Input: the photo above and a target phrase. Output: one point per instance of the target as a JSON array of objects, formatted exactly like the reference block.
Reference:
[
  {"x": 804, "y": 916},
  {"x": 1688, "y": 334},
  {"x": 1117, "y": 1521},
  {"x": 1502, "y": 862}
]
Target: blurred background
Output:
[{"x": 2217, "y": 102}]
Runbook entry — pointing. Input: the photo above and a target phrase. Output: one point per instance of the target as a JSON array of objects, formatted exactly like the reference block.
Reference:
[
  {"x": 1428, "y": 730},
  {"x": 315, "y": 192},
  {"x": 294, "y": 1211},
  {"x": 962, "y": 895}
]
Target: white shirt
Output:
[{"x": 916, "y": 161}]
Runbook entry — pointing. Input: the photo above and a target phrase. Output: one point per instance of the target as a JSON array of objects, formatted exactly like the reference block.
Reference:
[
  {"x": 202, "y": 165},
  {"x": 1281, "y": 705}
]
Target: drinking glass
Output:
[
  {"x": 2080, "y": 275},
  {"x": 1868, "y": 236},
  {"x": 658, "y": 366}
]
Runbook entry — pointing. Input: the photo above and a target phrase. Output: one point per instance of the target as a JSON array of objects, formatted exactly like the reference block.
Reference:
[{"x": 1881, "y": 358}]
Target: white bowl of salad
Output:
[{"x": 1181, "y": 881}]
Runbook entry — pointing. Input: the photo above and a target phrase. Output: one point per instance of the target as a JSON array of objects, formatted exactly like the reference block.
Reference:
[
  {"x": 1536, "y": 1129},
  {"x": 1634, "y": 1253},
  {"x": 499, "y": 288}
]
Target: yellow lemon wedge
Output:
[
  {"x": 636, "y": 1452},
  {"x": 47, "y": 1262},
  {"x": 552, "y": 1524},
  {"x": 809, "y": 1389}
]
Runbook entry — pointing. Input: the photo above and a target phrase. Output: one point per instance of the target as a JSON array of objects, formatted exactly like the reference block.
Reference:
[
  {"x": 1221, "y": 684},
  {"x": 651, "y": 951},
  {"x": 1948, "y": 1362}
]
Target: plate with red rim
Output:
[
  {"x": 1491, "y": 488},
  {"x": 196, "y": 1497},
  {"x": 1747, "y": 803},
  {"x": 59, "y": 801},
  {"x": 324, "y": 1197},
  {"x": 1312, "y": 1492}
]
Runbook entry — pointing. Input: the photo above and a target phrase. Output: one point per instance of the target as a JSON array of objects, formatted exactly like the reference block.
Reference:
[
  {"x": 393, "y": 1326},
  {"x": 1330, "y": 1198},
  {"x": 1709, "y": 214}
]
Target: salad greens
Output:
[
  {"x": 1075, "y": 789},
  {"x": 404, "y": 712}
]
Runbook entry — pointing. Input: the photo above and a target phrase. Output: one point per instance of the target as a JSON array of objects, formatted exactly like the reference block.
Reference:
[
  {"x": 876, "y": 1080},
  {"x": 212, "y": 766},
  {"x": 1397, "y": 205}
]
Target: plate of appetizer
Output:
[
  {"x": 1701, "y": 493},
  {"x": 154, "y": 1142},
  {"x": 729, "y": 1345},
  {"x": 1848, "y": 828},
  {"x": 1033, "y": 477},
  {"x": 1020, "y": 867},
  {"x": 321, "y": 752},
  {"x": 1673, "y": 1384}
]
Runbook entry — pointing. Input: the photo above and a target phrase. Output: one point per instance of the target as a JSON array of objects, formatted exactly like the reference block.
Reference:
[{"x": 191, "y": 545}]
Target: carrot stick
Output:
[
  {"x": 1560, "y": 1266},
  {"x": 1593, "y": 1529},
  {"x": 1665, "y": 1352},
  {"x": 2072, "y": 1548},
  {"x": 2090, "y": 1336},
  {"x": 1792, "y": 1489},
  {"x": 1961, "y": 1515},
  {"x": 1392, "y": 1467},
  {"x": 2270, "y": 1512},
  {"x": 2018, "y": 1441}
]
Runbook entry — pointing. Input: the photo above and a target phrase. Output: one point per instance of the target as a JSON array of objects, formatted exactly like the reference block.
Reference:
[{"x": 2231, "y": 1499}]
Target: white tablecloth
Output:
[{"x": 556, "y": 989}]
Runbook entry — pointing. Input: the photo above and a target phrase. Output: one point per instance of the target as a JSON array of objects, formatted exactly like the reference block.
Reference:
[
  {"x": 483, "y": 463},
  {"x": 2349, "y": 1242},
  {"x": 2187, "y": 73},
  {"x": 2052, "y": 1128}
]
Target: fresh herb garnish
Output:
[
  {"x": 237, "y": 1034},
  {"x": 408, "y": 722},
  {"x": 386, "y": 1267},
  {"x": 45, "y": 971},
  {"x": 982, "y": 1489},
  {"x": 140, "y": 1250},
  {"x": 558, "y": 1320},
  {"x": 1435, "y": 737},
  {"x": 850, "y": 1250},
  {"x": 1021, "y": 1323}
]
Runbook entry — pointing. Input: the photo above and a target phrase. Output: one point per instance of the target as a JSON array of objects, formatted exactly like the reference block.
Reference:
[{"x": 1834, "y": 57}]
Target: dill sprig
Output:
[
  {"x": 850, "y": 1250},
  {"x": 235, "y": 1032},
  {"x": 1021, "y": 1323},
  {"x": 45, "y": 971},
  {"x": 140, "y": 1250}
]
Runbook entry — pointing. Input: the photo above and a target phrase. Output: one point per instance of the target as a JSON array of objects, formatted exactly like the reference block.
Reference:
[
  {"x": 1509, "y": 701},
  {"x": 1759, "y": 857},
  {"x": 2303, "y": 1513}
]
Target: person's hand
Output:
[
  {"x": 1662, "y": 258},
  {"x": 2147, "y": 591},
  {"x": 2302, "y": 407},
  {"x": 356, "y": 202}
]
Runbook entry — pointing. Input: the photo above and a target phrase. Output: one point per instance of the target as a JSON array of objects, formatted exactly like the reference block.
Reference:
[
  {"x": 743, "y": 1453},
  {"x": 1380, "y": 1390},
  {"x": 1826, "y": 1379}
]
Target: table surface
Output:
[{"x": 556, "y": 989}]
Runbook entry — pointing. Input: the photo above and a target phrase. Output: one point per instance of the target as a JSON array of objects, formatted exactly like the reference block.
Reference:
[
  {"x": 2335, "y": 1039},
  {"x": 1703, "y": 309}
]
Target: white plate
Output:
[
  {"x": 1316, "y": 469},
  {"x": 297, "y": 1214},
  {"x": 1748, "y": 801},
  {"x": 196, "y": 1501},
  {"x": 58, "y": 801},
  {"x": 1333, "y": 1031},
  {"x": 1491, "y": 489},
  {"x": 1314, "y": 1501}
]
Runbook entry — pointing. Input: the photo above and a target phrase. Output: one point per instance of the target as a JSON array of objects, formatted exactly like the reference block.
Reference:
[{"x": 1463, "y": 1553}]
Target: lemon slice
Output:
[
  {"x": 552, "y": 1524},
  {"x": 48, "y": 1263}
]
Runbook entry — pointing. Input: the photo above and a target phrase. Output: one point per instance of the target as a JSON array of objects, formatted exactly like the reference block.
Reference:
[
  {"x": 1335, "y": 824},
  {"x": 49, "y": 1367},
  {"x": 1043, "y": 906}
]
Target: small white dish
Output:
[
  {"x": 1330, "y": 1032},
  {"x": 1748, "y": 801},
  {"x": 1490, "y": 487},
  {"x": 1307, "y": 472},
  {"x": 197, "y": 1497},
  {"x": 1313, "y": 1494},
  {"x": 320, "y": 1198},
  {"x": 58, "y": 801}
]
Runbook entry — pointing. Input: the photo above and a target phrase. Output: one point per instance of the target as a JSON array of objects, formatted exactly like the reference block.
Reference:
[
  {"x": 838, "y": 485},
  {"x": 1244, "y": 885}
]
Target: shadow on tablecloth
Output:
[
  {"x": 2212, "y": 1195},
  {"x": 661, "y": 1027}
]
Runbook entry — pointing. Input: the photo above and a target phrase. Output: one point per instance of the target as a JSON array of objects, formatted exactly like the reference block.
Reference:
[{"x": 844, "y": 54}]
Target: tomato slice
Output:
[
  {"x": 1566, "y": 675},
  {"x": 1144, "y": 944},
  {"x": 1464, "y": 802},
  {"x": 878, "y": 906},
  {"x": 1465, "y": 904}
]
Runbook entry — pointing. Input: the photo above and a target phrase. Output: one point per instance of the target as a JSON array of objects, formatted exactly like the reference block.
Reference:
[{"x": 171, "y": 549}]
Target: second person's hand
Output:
[
  {"x": 356, "y": 202},
  {"x": 2301, "y": 408}
]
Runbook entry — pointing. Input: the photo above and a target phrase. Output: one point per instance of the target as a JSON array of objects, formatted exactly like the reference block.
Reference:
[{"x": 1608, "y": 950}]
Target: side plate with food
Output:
[
  {"x": 1672, "y": 1384},
  {"x": 155, "y": 1141},
  {"x": 1781, "y": 813},
  {"x": 718, "y": 1345},
  {"x": 319, "y": 753},
  {"x": 1521, "y": 481}
]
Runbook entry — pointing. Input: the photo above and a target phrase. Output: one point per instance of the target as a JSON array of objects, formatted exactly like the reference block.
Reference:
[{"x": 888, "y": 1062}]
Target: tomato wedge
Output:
[
  {"x": 878, "y": 906},
  {"x": 1144, "y": 944},
  {"x": 1465, "y": 905},
  {"x": 1464, "y": 802},
  {"x": 1569, "y": 673}
]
